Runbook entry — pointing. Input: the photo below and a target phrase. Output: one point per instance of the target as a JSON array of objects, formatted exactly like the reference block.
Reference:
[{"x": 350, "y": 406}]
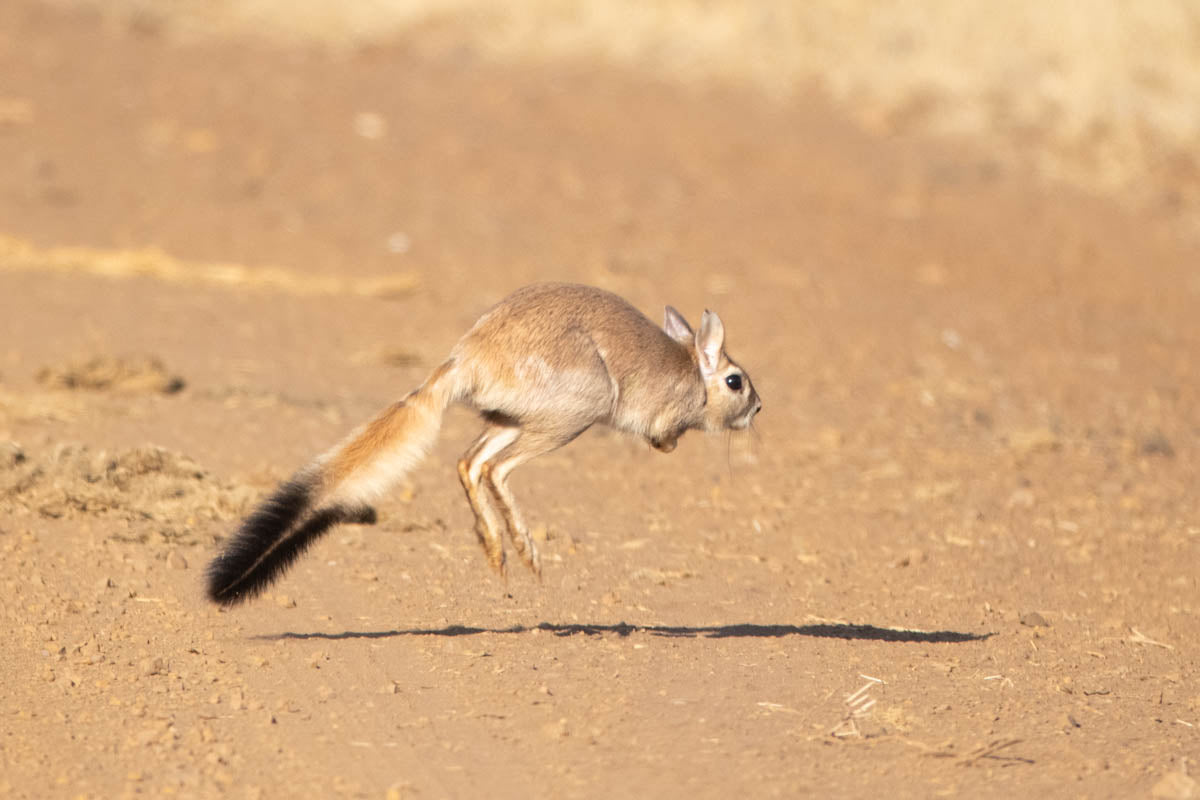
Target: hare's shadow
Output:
[{"x": 742, "y": 630}]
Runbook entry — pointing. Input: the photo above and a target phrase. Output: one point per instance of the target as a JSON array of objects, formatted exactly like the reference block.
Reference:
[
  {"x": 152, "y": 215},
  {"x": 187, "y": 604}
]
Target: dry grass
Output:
[
  {"x": 1099, "y": 93},
  {"x": 143, "y": 484},
  {"x": 19, "y": 255}
]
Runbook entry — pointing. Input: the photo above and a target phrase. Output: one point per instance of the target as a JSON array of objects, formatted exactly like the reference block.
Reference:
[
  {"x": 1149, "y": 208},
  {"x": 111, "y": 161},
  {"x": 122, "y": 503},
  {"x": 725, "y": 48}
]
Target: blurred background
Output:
[
  {"x": 954, "y": 242},
  {"x": 1096, "y": 92}
]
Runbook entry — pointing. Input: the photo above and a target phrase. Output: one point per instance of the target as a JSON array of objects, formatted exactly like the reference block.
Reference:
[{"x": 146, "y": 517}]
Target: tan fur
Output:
[
  {"x": 391, "y": 425},
  {"x": 542, "y": 366},
  {"x": 375, "y": 436}
]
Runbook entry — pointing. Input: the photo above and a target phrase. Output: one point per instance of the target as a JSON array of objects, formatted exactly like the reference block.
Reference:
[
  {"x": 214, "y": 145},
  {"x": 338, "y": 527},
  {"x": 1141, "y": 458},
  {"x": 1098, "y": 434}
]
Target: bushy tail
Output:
[{"x": 337, "y": 487}]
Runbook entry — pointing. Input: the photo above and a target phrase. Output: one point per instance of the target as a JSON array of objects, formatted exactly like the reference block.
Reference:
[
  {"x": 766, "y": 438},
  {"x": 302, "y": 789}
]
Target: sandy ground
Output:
[{"x": 958, "y": 558}]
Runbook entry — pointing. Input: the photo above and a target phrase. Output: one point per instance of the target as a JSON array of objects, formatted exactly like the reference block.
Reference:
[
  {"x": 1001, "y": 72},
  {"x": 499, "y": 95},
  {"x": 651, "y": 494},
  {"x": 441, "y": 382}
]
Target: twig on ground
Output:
[
  {"x": 1141, "y": 638},
  {"x": 990, "y": 750}
]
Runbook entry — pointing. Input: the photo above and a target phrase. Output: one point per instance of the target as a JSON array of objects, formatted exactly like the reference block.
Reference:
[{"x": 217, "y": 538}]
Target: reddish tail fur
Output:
[{"x": 336, "y": 488}]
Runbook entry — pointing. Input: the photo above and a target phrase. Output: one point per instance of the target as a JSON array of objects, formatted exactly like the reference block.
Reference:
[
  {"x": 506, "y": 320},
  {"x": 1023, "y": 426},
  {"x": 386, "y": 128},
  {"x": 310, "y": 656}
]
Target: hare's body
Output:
[
  {"x": 541, "y": 367},
  {"x": 559, "y": 358}
]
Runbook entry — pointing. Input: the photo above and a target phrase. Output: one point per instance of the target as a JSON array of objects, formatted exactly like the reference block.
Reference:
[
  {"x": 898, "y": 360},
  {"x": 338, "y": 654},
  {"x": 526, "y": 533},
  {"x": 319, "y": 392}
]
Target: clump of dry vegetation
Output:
[
  {"x": 139, "y": 484},
  {"x": 144, "y": 374}
]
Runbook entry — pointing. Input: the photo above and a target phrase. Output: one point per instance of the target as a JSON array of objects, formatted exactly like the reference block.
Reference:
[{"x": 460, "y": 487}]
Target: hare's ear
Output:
[
  {"x": 710, "y": 342},
  {"x": 676, "y": 326}
]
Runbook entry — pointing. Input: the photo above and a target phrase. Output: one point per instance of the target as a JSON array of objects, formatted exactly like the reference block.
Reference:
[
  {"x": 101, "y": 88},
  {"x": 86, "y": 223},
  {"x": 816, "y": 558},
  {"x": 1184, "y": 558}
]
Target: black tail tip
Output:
[
  {"x": 261, "y": 550},
  {"x": 219, "y": 585},
  {"x": 363, "y": 515}
]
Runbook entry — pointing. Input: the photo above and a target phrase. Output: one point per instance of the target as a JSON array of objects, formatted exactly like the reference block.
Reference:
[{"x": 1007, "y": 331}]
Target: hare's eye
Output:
[{"x": 734, "y": 382}]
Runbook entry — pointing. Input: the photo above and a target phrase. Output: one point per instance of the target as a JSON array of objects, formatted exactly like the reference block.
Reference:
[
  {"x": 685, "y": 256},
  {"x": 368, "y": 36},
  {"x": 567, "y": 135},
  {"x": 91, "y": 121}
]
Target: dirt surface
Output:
[{"x": 957, "y": 558}]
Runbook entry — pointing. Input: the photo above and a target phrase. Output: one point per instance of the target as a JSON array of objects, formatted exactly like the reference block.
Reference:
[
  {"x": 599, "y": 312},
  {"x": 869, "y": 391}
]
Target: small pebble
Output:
[
  {"x": 1021, "y": 498},
  {"x": 370, "y": 125},
  {"x": 1157, "y": 444},
  {"x": 1176, "y": 786},
  {"x": 11, "y": 455},
  {"x": 556, "y": 730}
]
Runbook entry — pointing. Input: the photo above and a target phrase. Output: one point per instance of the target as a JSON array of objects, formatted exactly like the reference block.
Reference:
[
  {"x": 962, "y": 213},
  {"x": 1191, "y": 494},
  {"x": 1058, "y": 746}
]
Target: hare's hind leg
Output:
[
  {"x": 471, "y": 468},
  {"x": 529, "y": 444}
]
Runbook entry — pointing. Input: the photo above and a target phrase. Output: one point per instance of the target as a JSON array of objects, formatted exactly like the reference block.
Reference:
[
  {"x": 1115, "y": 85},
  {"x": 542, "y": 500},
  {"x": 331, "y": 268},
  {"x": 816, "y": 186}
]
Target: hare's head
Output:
[{"x": 731, "y": 401}]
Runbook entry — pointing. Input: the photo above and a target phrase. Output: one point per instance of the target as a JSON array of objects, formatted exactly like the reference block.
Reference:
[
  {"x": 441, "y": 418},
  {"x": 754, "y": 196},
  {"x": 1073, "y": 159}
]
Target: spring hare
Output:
[{"x": 541, "y": 367}]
